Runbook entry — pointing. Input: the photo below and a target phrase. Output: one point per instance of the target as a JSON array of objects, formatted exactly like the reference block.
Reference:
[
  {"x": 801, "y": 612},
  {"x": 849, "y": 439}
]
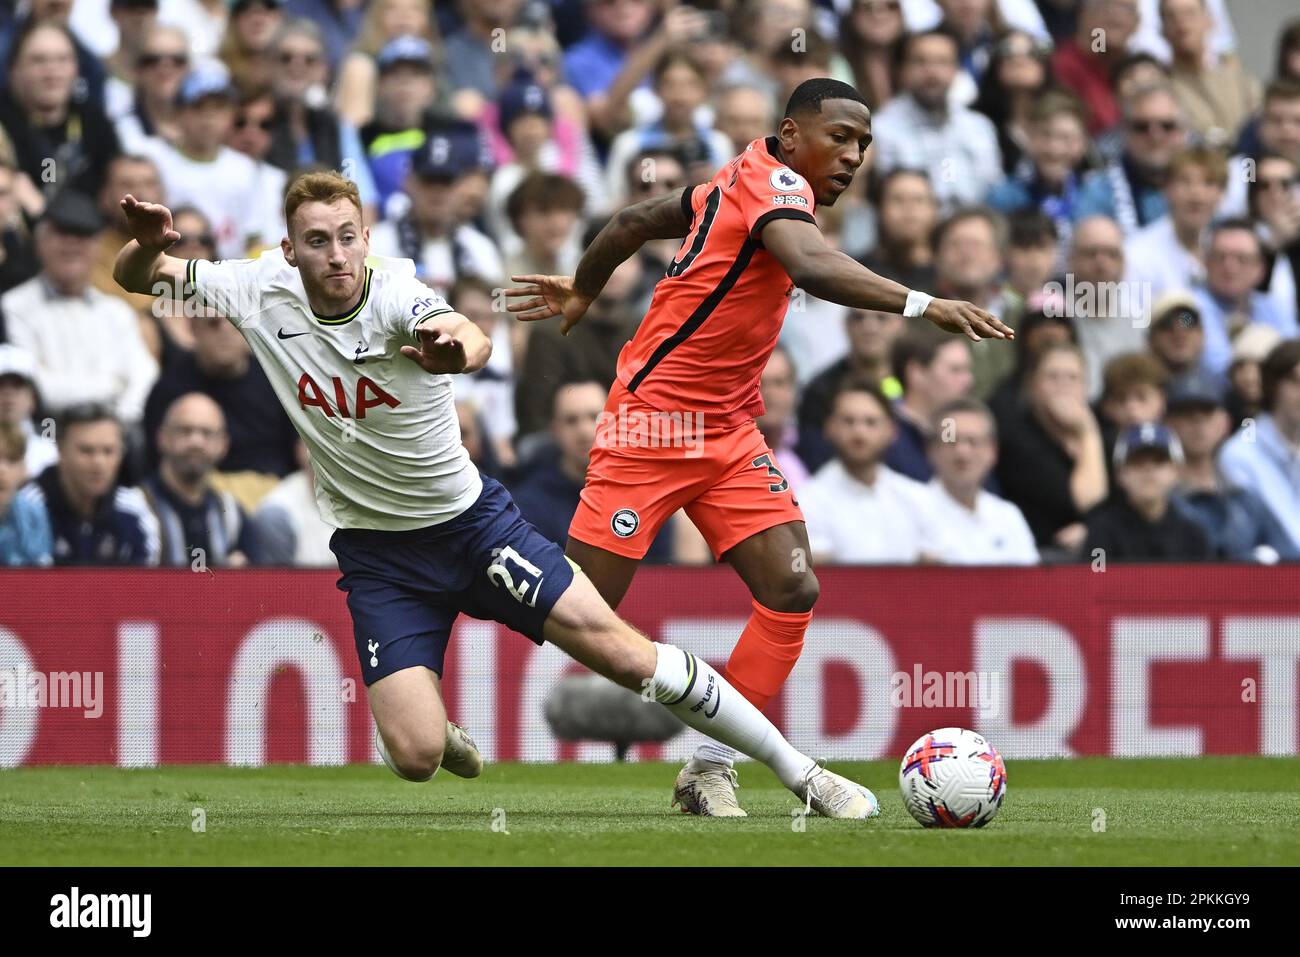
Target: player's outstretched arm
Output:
[
  {"x": 663, "y": 217},
  {"x": 449, "y": 343},
  {"x": 829, "y": 274},
  {"x": 143, "y": 265}
]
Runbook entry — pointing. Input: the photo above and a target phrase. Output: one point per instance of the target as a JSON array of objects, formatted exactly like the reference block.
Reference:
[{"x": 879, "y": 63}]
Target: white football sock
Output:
[
  {"x": 692, "y": 690},
  {"x": 710, "y": 752}
]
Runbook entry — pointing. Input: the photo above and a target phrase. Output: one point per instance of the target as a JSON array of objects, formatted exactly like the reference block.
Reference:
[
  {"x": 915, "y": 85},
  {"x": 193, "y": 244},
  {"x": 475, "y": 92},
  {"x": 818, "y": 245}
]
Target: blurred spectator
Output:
[
  {"x": 791, "y": 63},
  {"x": 18, "y": 407},
  {"x": 160, "y": 65},
  {"x": 403, "y": 111},
  {"x": 1167, "y": 255},
  {"x": 1018, "y": 73},
  {"x": 24, "y": 525},
  {"x": 86, "y": 344},
  {"x": 59, "y": 141},
  {"x": 250, "y": 134},
  {"x": 934, "y": 369},
  {"x": 1245, "y": 396},
  {"x": 870, "y": 33},
  {"x": 197, "y": 523},
  {"x": 1136, "y": 72},
  {"x": 432, "y": 233},
  {"x": 968, "y": 265},
  {"x": 470, "y": 52},
  {"x": 196, "y": 242},
  {"x": 480, "y": 451},
  {"x": 1084, "y": 63},
  {"x": 1048, "y": 180},
  {"x": 246, "y": 43},
  {"x": 679, "y": 84},
  {"x": 1132, "y": 395},
  {"x": 200, "y": 170},
  {"x": 1218, "y": 96},
  {"x": 492, "y": 388},
  {"x": 533, "y": 51},
  {"x": 651, "y": 174},
  {"x": 778, "y": 424},
  {"x": 973, "y": 526},
  {"x": 90, "y": 73},
  {"x": 528, "y": 122},
  {"x": 545, "y": 211},
  {"x": 1264, "y": 456},
  {"x": 919, "y": 128},
  {"x": 1176, "y": 336},
  {"x": 589, "y": 352},
  {"x": 976, "y": 24},
  {"x": 744, "y": 114},
  {"x": 1052, "y": 463},
  {"x": 1229, "y": 301},
  {"x": 94, "y": 520},
  {"x": 871, "y": 338},
  {"x": 287, "y": 525},
  {"x": 17, "y": 253},
  {"x": 1239, "y": 526},
  {"x": 1277, "y": 134},
  {"x": 592, "y": 65},
  {"x": 305, "y": 130},
  {"x": 134, "y": 19},
  {"x": 1130, "y": 188},
  {"x": 261, "y": 439},
  {"x": 338, "y": 21},
  {"x": 907, "y": 212},
  {"x": 1107, "y": 317},
  {"x": 359, "y": 75},
  {"x": 1274, "y": 205},
  {"x": 1031, "y": 257},
  {"x": 857, "y": 509},
  {"x": 548, "y": 494},
  {"x": 1149, "y": 38},
  {"x": 1035, "y": 332},
  {"x": 139, "y": 177},
  {"x": 1139, "y": 523}
]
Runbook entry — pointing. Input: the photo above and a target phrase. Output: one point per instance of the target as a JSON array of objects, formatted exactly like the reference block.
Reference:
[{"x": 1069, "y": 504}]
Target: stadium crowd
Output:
[{"x": 1103, "y": 175}]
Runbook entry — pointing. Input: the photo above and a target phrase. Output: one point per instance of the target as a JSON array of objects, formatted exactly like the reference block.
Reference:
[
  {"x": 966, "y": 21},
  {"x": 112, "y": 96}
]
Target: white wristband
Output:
[{"x": 916, "y": 303}]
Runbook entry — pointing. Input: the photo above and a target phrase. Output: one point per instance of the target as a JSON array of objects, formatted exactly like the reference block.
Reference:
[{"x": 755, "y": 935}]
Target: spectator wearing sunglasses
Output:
[
  {"x": 246, "y": 44},
  {"x": 133, "y": 20},
  {"x": 306, "y": 130},
  {"x": 1130, "y": 189},
  {"x": 1275, "y": 209},
  {"x": 160, "y": 66},
  {"x": 250, "y": 134}
]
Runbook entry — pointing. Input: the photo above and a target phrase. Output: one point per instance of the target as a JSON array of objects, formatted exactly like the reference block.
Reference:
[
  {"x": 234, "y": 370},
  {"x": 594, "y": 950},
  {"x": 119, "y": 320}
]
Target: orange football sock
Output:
[{"x": 766, "y": 652}]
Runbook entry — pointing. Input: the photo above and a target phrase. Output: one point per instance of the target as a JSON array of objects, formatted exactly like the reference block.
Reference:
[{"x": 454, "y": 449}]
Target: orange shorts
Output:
[{"x": 645, "y": 465}]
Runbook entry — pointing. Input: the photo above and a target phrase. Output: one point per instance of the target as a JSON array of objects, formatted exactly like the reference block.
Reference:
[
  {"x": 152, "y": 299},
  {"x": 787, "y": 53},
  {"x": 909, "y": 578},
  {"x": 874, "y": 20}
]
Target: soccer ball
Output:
[{"x": 952, "y": 778}]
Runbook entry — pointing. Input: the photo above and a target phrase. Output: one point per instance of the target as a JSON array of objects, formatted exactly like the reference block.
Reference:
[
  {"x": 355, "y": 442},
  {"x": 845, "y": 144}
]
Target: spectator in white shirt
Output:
[
  {"x": 287, "y": 523},
  {"x": 858, "y": 510},
  {"x": 920, "y": 129},
  {"x": 87, "y": 345},
  {"x": 1167, "y": 255},
  {"x": 972, "y": 526},
  {"x": 201, "y": 171},
  {"x": 160, "y": 66},
  {"x": 18, "y": 406}
]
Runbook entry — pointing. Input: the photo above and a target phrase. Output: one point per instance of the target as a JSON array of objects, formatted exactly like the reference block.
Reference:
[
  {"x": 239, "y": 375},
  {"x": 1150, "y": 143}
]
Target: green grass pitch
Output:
[{"x": 1221, "y": 811}]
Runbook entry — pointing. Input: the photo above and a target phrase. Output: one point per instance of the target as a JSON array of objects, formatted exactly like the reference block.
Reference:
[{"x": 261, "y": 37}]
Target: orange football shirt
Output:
[{"x": 715, "y": 316}]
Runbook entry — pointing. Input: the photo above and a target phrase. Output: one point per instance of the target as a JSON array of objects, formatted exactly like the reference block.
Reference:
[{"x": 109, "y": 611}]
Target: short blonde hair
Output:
[{"x": 323, "y": 186}]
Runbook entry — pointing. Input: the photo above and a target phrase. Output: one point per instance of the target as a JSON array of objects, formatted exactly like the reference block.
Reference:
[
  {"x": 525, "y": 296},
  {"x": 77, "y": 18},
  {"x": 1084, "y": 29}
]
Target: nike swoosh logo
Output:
[{"x": 281, "y": 334}]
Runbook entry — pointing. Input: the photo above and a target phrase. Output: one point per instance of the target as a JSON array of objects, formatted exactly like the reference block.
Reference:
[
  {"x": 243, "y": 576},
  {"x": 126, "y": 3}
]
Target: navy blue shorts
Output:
[{"x": 405, "y": 589}]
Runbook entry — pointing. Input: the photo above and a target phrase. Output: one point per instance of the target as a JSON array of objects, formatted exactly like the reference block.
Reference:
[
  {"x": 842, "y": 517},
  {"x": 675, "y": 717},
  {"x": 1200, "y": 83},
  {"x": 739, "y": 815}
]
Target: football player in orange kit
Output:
[{"x": 694, "y": 365}]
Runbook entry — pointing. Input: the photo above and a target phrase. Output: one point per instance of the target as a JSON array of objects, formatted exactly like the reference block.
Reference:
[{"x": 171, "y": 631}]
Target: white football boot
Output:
[
  {"x": 709, "y": 791},
  {"x": 460, "y": 754},
  {"x": 832, "y": 795}
]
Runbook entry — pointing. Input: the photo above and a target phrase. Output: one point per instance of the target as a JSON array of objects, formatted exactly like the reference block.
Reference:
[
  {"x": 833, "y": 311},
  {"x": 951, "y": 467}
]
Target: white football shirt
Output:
[{"x": 382, "y": 432}]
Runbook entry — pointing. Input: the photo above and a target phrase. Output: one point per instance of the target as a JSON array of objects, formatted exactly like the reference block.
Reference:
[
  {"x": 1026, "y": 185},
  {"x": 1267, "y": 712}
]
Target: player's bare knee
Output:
[
  {"x": 794, "y": 593},
  {"x": 418, "y": 760}
]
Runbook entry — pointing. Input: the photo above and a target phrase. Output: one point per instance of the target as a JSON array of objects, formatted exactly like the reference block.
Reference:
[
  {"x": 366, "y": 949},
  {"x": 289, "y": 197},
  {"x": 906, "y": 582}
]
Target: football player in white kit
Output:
[{"x": 360, "y": 354}]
